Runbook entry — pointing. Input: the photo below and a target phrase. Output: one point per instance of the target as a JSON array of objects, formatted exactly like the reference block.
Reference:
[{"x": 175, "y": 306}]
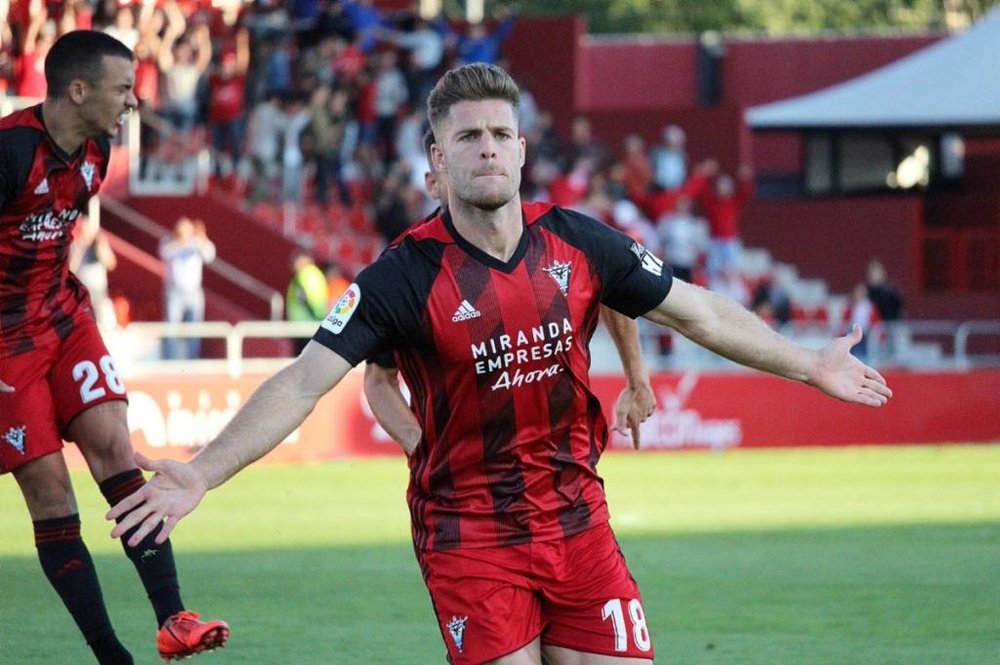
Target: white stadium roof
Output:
[{"x": 953, "y": 84}]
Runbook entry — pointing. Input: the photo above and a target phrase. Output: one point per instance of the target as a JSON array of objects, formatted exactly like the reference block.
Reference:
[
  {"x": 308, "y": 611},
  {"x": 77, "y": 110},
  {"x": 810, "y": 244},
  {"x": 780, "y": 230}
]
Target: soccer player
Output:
[
  {"x": 489, "y": 308},
  {"x": 57, "y": 380},
  {"x": 634, "y": 405}
]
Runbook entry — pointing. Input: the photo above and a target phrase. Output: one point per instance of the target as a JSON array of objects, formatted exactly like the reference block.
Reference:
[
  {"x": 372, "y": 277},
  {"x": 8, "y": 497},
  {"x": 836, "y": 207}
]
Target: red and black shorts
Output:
[{"x": 576, "y": 593}]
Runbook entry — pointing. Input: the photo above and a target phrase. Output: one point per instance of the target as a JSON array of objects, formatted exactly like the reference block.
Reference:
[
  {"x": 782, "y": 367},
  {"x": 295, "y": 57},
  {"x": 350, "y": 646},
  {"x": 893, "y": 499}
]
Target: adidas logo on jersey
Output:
[
  {"x": 43, "y": 187},
  {"x": 465, "y": 312}
]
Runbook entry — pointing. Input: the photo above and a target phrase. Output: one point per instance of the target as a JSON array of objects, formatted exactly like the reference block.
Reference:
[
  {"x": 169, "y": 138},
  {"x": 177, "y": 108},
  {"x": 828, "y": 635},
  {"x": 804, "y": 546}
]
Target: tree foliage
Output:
[{"x": 773, "y": 17}]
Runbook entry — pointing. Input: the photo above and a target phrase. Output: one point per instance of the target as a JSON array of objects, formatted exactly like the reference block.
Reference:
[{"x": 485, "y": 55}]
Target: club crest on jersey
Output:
[
  {"x": 16, "y": 438},
  {"x": 87, "y": 171},
  {"x": 560, "y": 271},
  {"x": 343, "y": 310},
  {"x": 649, "y": 262},
  {"x": 457, "y": 629}
]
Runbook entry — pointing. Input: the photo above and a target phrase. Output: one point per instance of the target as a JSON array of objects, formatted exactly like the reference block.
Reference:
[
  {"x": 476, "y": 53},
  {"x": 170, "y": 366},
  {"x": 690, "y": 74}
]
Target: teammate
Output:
[
  {"x": 634, "y": 404},
  {"x": 57, "y": 380},
  {"x": 489, "y": 308}
]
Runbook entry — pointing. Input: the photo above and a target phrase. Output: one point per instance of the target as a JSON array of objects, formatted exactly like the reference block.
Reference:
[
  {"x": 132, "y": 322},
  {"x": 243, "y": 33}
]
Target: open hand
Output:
[
  {"x": 841, "y": 375},
  {"x": 173, "y": 492}
]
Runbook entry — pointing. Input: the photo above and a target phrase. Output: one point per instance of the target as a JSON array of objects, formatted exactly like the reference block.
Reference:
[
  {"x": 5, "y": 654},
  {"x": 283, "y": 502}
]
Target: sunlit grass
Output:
[{"x": 858, "y": 555}]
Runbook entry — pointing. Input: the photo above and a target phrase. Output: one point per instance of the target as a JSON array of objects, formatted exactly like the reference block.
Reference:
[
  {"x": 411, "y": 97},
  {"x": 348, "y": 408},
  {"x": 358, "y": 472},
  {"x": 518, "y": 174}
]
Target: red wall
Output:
[
  {"x": 755, "y": 410},
  {"x": 762, "y": 71},
  {"x": 544, "y": 57},
  {"x": 835, "y": 238},
  {"x": 633, "y": 74},
  {"x": 715, "y": 411},
  {"x": 650, "y": 72}
]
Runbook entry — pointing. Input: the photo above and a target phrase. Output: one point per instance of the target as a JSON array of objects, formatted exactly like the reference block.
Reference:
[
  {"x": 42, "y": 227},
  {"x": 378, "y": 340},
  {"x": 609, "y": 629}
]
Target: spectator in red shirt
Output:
[
  {"x": 571, "y": 188},
  {"x": 722, "y": 200},
  {"x": 38, "y": 39},
  {"x": 349, "y": 61},
  {"x": 637, "y": 173},
  {"x": 6, "y": 51},
  {"x": 226, "y": 101}
]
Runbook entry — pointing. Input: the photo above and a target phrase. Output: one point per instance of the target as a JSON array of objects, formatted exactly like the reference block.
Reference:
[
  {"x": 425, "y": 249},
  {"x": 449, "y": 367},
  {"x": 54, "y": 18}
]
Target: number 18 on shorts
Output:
[{"x": 576, "y": 593}]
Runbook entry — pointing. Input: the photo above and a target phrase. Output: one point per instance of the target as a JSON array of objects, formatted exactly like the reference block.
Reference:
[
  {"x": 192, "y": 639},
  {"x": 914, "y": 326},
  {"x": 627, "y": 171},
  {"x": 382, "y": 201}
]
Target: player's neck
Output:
[
  {"x": 63, "y": 126},
  {"x": 496, "y": 232}
]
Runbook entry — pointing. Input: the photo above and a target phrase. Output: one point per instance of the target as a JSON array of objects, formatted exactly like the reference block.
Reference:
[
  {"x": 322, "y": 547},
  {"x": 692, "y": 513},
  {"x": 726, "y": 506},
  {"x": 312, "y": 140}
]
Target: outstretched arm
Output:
[
  {"x": 273, "y": 412},
  {"x": 636, "y": 401},
  {"x": 725, "y": 327},
  {"x": 389, "y": 406}
]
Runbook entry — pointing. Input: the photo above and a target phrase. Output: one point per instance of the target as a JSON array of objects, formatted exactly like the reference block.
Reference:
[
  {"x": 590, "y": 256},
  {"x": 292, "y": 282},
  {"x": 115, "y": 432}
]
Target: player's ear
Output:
[
  {"x": 77, "y": 90},
  {"x": 524, "y": 149},
  {"x": 437, "y": 156}
]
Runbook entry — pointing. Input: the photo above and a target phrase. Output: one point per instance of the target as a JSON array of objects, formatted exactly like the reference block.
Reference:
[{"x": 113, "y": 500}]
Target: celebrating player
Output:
[
  {"x": 489, "y": 308},
  {"x": 634, "y": 405},
  {"x": 57, "y": 380}
]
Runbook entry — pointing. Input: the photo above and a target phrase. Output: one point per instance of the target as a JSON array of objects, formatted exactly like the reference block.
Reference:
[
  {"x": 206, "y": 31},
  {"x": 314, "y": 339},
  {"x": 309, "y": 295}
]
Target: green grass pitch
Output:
[{"x": 814, "y": 556}]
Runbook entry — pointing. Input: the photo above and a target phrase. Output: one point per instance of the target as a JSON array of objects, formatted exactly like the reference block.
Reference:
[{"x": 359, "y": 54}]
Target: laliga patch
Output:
[{"x": 343, "y": 310}]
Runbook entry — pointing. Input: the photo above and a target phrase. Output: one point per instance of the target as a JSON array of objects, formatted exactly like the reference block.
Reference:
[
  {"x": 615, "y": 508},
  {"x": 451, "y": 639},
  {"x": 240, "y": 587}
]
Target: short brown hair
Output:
[{"x": 471, "y": 83}]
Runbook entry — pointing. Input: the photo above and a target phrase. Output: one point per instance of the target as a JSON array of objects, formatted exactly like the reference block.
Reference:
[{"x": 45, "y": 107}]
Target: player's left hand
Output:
[
  {"x": 173, "y": 492},
  {"x": 841, "y": 375},
  {"x": 634, "y": 405}
]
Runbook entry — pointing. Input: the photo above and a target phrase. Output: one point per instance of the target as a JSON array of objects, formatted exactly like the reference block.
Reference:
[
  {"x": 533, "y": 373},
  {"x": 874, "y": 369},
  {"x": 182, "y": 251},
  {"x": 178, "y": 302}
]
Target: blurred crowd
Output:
[{"x": 321, "y": 104}]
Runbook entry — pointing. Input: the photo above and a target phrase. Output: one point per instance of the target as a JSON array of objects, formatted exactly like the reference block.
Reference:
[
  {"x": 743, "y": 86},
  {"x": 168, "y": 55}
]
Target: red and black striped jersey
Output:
[
  {"x": 43, "y": 191},
  {"x": 497, "y": 361}
]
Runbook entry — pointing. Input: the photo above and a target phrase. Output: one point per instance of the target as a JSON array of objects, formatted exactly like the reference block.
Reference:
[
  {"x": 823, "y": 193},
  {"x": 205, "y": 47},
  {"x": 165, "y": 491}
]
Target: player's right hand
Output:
[{"x": 174, "y": 491}]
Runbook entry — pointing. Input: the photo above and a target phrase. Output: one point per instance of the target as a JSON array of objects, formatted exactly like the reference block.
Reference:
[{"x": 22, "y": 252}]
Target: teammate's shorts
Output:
[
  {"x": 575, "y": 593},
  {"x": 53, "y": 385}
]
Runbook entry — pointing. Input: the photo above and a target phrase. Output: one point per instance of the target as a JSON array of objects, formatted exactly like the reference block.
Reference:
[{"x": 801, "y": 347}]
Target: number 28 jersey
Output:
[{"x": 496, "y": 358}]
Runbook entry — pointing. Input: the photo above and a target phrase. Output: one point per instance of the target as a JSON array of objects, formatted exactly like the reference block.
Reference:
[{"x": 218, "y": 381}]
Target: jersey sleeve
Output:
[
  {"x": 374, "y": 316},
  {"x": 633, "y": 280},
  {"x": 384, "y": 359}
]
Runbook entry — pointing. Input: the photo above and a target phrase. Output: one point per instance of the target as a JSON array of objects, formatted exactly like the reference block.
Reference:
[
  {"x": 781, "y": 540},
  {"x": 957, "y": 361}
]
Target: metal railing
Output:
[
  {"x": 976, "y": 329},
  {"x": 137, "y": 347},
  {"x": 926, "y": 345}
]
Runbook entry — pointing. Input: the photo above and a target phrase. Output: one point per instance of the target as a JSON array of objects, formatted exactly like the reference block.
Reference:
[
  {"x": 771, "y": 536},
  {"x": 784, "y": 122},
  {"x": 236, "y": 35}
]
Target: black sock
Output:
[
  {"x": 154, "y": 563},
  {"x": 70, "y": 570}
]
